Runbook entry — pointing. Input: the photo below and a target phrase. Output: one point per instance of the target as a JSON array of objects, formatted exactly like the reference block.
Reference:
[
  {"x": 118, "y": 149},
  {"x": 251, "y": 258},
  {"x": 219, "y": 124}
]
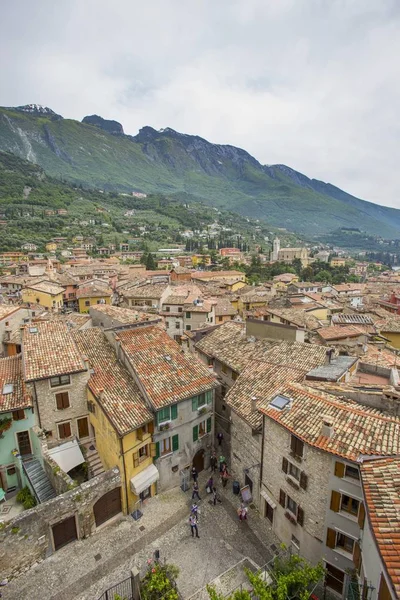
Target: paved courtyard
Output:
[{"x": 84, "y": 569}]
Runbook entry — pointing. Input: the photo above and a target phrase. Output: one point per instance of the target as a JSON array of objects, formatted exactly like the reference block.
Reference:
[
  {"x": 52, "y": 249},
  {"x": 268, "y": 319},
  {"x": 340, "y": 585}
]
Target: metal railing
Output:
[{"x": 123, "y": 590}]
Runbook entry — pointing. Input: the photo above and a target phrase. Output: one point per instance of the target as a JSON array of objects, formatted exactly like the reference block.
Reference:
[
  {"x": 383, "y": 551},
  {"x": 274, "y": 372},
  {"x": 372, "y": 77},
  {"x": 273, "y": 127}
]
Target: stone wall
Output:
[
  {"x": 246, "y": 454},
  {"x": 28, "y": 538},
  {"x": 60, "y": 481},
  {"x": 274, "y": 331}
]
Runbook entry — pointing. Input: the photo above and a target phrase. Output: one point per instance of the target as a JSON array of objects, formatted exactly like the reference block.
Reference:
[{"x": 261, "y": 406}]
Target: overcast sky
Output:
[{"x": 313, "y": 84}]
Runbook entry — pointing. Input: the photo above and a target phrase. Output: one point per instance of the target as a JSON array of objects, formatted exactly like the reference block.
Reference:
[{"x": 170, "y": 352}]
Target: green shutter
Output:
[
  {"x": 175, "y": 442},
  {"x": 195, "y": 403},
  {"x": 195, "y": 433},
  {"x": 209, "y": 397},
  {"x": 158, "y": 414},
  {"x": 174, "y": 411},
  {"x": 157, "y": 451},
  {"x": 208, "y": 424}
]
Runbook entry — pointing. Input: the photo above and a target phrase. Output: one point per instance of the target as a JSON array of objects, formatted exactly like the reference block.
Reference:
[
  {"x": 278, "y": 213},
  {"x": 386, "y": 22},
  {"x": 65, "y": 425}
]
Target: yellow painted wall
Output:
[
  {"x": 131, "y": 445},
  {"x": 237, "y": 285},
  {"x": 51, "y": 247},
  {"x": 45, "y": 299},
  {"x": 319, "y": 313},
  {"x": 93, "y": 301},
  {"x": 394, "y": 338}
]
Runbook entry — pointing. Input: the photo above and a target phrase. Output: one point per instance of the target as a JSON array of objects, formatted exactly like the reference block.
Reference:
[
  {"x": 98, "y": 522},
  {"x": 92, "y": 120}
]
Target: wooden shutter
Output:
[
  {"x": 195, "y": 403},
  {"x": 59, "y": 401},
  {"x": 153, "y": 451},
  {"x": 339, "y": 469},
  {"x": 282, "y": 498},
  {"x": 293, "y": 444},
  {"x": 303, "y": 480},
  {"x": 331, "y": 538},
  {"x": 208, "y": 424},
  {"x": 195, "y": 433},
  {"x": 150, "y": 427},
  {"x": 357, "y": 557},
  {"x": 174, "y": 411},
  {"x": 136, "y": 460},
  {"x": 384, "y": 593},
  {"x": 285, "y": 465},
  {"x": 335, "y": 501},
  {"x": 175, "y": 442},
  {"x": 209, "y": 397},
  {"x": 300, "y": 516},
  {"x": 361, "y": 516}
]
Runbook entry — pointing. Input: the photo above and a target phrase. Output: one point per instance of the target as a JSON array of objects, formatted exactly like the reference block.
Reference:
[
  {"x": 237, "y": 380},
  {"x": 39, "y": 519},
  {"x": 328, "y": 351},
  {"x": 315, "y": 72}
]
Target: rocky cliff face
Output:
[{"x": 109, "y": 126}]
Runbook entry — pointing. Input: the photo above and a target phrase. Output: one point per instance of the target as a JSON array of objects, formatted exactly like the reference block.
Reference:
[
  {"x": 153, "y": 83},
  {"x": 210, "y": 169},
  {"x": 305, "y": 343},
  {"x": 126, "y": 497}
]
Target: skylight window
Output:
[
  {"x": 33, "y": 329},
  {"x": 7, "y": 388},
  {"x": 280, "y": 402}
]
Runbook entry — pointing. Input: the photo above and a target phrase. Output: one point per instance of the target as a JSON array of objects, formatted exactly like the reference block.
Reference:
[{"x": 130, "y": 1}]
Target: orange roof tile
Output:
[{"x": 11, "y": 373}]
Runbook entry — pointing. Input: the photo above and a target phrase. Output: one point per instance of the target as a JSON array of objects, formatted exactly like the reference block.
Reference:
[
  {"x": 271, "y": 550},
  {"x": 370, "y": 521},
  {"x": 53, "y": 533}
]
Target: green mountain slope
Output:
[{"x": 96, "y": 153}]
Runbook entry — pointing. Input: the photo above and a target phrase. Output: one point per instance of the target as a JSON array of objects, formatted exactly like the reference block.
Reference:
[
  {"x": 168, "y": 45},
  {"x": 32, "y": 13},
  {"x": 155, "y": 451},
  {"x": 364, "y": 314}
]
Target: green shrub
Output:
[{"x": 25, "y": 497}]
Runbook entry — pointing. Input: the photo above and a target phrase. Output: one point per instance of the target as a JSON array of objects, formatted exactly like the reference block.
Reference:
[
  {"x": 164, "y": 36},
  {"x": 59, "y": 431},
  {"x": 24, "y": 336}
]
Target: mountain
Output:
[{"x": 97, "y": 154}]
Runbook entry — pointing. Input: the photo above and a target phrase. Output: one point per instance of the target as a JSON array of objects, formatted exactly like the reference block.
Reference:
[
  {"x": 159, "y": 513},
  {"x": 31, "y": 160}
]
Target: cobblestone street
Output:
[{"x": 83, "y": 570}]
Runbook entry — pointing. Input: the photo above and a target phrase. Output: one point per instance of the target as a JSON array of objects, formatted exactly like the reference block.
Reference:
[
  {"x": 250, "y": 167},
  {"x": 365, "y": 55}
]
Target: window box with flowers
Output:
[{"x": 165, "y": 426}]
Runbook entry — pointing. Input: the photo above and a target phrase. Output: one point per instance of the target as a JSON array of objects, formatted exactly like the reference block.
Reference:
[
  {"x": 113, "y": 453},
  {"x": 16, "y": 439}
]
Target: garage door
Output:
[
  {"x": 64, "y": 533},
  {"x": 107, "y": 506}
]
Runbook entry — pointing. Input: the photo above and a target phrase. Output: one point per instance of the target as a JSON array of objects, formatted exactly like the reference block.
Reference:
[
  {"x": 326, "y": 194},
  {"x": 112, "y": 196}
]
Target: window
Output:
[
  {"x": 202, "y": 428},
  {"x": 224, "y": 369},
  {"x": 220, "y": 319},
  {"x": 143, "y": 452},
  {"x": 167, "y": 309},
  {"x": 87, "y": 302},
  {"x": 11, "y": 471},
  {"x": 165, "y": 446},
  {"x": 349, "y": 505},
  {"x": 8, "y": 388},
  {"x": 168, "y": 413},
  {"x": 180, "y": 309},
  {"x": 296, "y": 446},
  {"x": 7, "y": 323},
  {"x": 64, "y": 430},
  {"x": 345, "y": 543},
  {"x": 269, "y": 512},
  {"x": 60, "y": 380},
  {"x": 294, "y": 471},
  {"x": 201, "y": 400},
  {"x": 18, "y": 415},
  {"x": 294, "y": 512},
  {"x": 188, "y": 327},
  {"x": 177, "y": 325},
  {"x": 334, "y": 578},
  {"x": 291, "y": 505},
  {"x": 352, "y": 472},
  {"x": 188, "y": 315},
  {"x": 234, "y": 375},
  {"x": 62, "y": 400},
  {"x": 166, "y": 325}
]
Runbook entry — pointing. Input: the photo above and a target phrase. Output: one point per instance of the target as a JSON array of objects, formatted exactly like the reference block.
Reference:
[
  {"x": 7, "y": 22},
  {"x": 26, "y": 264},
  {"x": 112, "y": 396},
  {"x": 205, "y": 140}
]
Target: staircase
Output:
[
  {"x": 95, "y": 466},
  {"x": 39, "y": 481}
]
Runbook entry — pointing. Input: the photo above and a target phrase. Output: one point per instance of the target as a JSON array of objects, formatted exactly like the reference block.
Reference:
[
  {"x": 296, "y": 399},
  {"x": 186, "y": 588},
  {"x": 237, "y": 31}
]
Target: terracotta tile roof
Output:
[
  {"x": 49, "y": 350},
  {"x": 296, "y": 355},
  {"x": 11, "y": 373},
  {"x": 204, "y": 307},
  {"x": 177, "y": 300},
  {"x": 93, "y": 291},
  {"x": 124, "y": 316},
  {"x": 390, "y": 326},
  {"x": 358, "y": 430},
  {"x": 223, "y": 308},
  {"x": 339, "y": 332},
  {"x": 121, "y": 399},
  {"x": 230, "y": 345},
  {"x": 47, "y": 287},
  {"x": 352, "y": 319},
  {"x": 381, "y": 484},
  {"x": 165, "y": 372},
  {"x": 149, "y": 291},
  {"x": 296, "y": 317},
  {"x": 380, "y": 356},
  {"x": 7, "y": 309},
  {"x": 259, "y": 380}
]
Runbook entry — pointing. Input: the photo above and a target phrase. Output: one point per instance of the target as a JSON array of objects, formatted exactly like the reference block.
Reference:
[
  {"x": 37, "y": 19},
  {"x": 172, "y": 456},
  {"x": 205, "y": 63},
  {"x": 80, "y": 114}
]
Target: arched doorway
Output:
[
  {"x": 107, "y": 506},
  {"x": 198, "y": 460}
]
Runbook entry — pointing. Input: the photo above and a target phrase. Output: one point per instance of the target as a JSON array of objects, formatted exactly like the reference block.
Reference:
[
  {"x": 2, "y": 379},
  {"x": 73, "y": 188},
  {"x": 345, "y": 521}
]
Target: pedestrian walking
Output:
[
  {"x": 193, "y": 525},
  {"x": 216, "y": 498},
  {"x": 213, "y": 462},
  {"x": 210, "y": 485},
  {"x": 222, "y": 462},
  {"x": 224, "y": 476},
  {"x": 194, "y": 510},
  {"x": 195, "y": 474},
  {"x": 242, "y": 512},
  {"x": 195, "y": 490},
  {"x": 220, "y": 437}
]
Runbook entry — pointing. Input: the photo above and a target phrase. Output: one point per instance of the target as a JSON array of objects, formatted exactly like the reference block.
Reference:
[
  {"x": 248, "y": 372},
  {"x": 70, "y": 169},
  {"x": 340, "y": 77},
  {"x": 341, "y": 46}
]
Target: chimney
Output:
[
  {"x": 328, "y": 356},
  {"x": 327, "y": 429},
  {"x": 101, "y": 394},
  {"x": 86, "y": 361},
  {"x": 254, "y": 404}
]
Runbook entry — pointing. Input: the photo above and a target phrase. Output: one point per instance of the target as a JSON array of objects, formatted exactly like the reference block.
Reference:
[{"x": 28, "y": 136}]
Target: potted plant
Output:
[{"x": 5, "y": 424}]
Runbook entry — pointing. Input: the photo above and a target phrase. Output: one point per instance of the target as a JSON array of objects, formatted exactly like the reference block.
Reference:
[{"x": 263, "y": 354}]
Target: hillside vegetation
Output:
[{"x": 97, "y": 154}]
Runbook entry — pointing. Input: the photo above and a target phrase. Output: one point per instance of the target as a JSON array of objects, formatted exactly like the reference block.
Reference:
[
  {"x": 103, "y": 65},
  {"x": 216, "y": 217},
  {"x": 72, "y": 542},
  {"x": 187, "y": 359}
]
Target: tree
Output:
[
  {"x": 291, "y": 577},
  {"x": 324, "y": 276},
  {"x": 159, "y": 582},
  {"x": 150, "y": 262},
  {"x": 297, "y": 265}
]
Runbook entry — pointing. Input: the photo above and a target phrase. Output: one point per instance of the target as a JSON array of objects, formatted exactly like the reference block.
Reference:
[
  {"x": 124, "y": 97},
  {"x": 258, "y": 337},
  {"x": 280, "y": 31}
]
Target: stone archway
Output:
[{"x": 198, "y": 460}]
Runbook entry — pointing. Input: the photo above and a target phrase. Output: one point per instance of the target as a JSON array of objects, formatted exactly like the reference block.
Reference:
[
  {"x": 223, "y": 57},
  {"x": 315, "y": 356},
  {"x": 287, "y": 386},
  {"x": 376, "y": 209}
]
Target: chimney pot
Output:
[
  {"x": 327, "y": 429},
  {"x": 253, "y": 404}
]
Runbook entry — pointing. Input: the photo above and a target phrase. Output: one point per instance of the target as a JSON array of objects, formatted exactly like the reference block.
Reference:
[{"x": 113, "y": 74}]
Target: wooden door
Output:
[
  {"x": 24, "y": 443},
  {"x": 198, "y": 461},
  {"x": 269, "y": 512},
  {"x": 107, "y": 506},
  {"x": 64, "y": 532},
  {"x": 83, "y": 428}
]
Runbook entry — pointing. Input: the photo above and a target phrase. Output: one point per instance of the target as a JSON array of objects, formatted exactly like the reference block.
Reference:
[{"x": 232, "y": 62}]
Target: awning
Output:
[
  {"x": 67, "y": 455},
  {"x": 141, "y": 482},
  {"x": 268, "y": 499}
]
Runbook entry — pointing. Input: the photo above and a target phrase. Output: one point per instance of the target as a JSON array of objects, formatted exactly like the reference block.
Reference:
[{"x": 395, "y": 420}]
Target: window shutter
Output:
[
  {"x": 282, "y": 498},
  {"x": 285, "y": 465},
  {"x": 158, "y": 418},
  {"x": 174, "y": 411},
  {"x": 67, "y": 429},
  {"x": 175, "y": 442},
  {"x": 157, "y": 451},
  {"x": 150, "y": 427},
  {"x": 331, "y": 538},
  {"x": 303, "y": 480},
  {"x": 136, "y": 459},
  {"x": 335, "y": 501},
  {"x": 153, "y": 450},
  {"x": 194, "y": 403},
  {"x": 208, "y": 424},
  {"x": 195, "y": 433},
  {"x": 357, "y": 557},
  {"x": 361, "y": 516},
  {"x": 59, "y": 401},
  {"x": 209, "y": 397},
  {"x": 339, "y": 469},
  {"x": 300, "y": 516}
]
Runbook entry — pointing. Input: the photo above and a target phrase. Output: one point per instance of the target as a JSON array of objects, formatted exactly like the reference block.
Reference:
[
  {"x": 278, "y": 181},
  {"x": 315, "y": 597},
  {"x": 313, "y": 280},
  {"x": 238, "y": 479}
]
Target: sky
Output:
[{"x": 313, "y": 84}]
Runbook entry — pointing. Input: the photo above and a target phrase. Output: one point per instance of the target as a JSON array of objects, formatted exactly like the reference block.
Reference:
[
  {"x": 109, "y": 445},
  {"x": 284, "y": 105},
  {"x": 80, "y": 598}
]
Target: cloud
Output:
[{"x": 313, "y": 84}]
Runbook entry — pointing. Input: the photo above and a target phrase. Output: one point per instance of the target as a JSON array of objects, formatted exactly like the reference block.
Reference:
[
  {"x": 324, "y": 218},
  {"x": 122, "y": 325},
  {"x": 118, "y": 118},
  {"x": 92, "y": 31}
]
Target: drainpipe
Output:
[
  {"x": 37, "y": 406},
  {"x": 126, "y": 481},
  {"x": 262, "y": 452}
]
